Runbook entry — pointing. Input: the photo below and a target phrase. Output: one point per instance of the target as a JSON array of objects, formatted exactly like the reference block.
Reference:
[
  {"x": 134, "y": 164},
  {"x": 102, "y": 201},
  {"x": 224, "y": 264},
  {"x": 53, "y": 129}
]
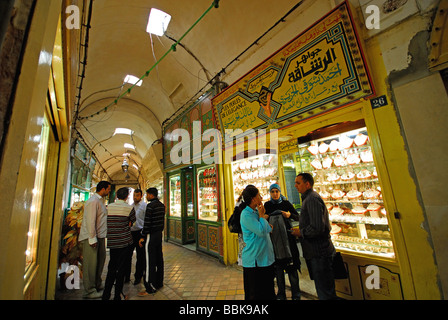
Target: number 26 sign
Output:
[{"x": 379, "y": 102}]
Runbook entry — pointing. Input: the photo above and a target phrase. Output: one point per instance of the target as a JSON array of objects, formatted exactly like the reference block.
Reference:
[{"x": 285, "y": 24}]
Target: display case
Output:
[
  {"x": 82, "y": 167},
  {"x": 189, "y": 177},
  {"x": 78, "y": 195},
  {"x": 175, "y": 193},
  {"x": 347, "y": 180},
  {"x": 260, "y": 171},
  {"x": 207, "y": 194}
]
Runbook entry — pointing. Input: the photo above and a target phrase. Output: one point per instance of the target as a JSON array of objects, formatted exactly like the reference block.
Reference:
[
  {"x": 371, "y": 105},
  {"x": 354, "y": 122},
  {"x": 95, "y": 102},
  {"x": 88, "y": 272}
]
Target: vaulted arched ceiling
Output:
[{"x": 119, "y": 45}]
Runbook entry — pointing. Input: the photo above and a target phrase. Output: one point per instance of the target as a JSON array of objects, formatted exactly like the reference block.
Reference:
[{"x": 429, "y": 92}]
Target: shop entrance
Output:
[
  {"x": 181, "y": 220},
  {"x": 188, "y": 224},
  {"x": 194, "y": 219}
]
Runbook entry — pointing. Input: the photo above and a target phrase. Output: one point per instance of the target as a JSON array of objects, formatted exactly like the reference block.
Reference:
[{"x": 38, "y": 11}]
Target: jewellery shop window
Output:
[
  {"x": 207, "y": 194},
  {"x": 260, "y": 171},
  {"x": 175, "y": 196},
  {"x": 346, "y": 178}
]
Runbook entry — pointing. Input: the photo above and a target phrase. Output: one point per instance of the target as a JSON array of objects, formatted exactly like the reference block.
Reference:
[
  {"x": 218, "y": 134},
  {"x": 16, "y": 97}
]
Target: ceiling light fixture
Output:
[
  {"x": 132, "y": 80},
  {"x": 123, "y": 131},
  {"x": 215, "y": 4},
  {"x": 158, "y": 22}
]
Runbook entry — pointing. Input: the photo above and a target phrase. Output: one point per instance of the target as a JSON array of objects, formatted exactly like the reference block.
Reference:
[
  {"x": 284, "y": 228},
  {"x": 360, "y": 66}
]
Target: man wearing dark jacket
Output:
[
  {"x": 314, "y": 233},
  {"x": 152, "y": 238}
]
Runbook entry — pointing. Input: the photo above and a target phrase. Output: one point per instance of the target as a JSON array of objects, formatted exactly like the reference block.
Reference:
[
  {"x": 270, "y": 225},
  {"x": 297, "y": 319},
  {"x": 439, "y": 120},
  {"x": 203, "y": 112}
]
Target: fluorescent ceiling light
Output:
[
  {"x": 133, "y": 80},
  {"x": 129, "y": 146},
  {"x": 135, "y": 166},
  {"x": 158, "y": 22},
  {"x": 123, "y": 131}
]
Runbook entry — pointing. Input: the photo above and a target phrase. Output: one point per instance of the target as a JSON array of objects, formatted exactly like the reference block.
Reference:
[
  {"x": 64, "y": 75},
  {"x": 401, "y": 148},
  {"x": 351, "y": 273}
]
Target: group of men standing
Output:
[{"x": 127, "y": 227}]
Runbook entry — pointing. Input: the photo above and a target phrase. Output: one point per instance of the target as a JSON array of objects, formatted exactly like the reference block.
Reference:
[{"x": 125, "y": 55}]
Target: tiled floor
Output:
[{"x": 189, "y": 275}]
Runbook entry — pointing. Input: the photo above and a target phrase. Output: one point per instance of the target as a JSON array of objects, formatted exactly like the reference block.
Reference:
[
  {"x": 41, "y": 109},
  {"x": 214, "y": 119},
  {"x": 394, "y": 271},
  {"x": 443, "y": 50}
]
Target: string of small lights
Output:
[{"x": 216, "y": 78}]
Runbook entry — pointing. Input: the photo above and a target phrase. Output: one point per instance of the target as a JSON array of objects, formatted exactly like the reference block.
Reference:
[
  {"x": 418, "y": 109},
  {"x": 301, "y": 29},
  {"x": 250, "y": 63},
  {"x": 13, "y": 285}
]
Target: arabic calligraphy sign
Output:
[{"x": 321, "y": 69}]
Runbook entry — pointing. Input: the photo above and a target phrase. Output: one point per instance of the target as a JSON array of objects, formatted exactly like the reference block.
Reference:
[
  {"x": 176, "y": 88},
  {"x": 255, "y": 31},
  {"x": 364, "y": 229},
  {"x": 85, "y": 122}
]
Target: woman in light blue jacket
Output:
[{"x": 258, "y": 254}]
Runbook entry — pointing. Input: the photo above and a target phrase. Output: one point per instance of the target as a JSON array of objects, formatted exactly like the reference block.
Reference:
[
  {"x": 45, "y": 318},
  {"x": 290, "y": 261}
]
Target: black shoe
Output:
[
  {"x": 158, "y": 286},
  {"x": 151, "y": 289},
  {"x": 121, "y": 296},
  {"x": 137, "y": 281}
]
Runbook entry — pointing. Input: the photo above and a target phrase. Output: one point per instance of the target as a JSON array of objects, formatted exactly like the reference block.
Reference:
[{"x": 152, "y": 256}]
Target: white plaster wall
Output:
[{"x": 423, "y": 106}]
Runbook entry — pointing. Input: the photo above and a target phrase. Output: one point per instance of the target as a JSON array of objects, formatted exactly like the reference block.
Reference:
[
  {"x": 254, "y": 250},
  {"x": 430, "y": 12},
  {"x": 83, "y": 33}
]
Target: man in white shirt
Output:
[
  {"x": 140, "y": 265},
  {"x": 92, "y": 237}
]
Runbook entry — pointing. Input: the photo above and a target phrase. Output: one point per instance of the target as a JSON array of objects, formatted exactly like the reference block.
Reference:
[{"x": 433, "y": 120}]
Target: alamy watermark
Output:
[
  {"x": 72, "y": 280},
  {"x": 212, "y": 153},
  {"x": 373, "y": 20},
  {"x": 372, "y": 281},
  {"x": 188, "y": 147},
  {"x": 73, "y": 20},
  {"x": 373, "y": 278}
]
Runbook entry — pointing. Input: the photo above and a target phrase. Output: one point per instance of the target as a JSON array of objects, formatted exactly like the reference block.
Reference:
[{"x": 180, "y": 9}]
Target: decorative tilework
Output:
[
  {"x": 190, "y": 230},
  {"x": 172, "y": 233},
  {"x": 178, "y": 230},
  {"x": 202, "y": 236},
  {"x": 213, "y": 239},
  {"x": 390, "y": 286},
  {"x": 221, "y": 244}
]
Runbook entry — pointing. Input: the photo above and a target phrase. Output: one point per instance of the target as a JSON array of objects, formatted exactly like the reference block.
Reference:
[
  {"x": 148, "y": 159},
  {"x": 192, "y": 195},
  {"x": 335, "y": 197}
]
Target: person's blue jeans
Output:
[{"x": 321, "y": 271}]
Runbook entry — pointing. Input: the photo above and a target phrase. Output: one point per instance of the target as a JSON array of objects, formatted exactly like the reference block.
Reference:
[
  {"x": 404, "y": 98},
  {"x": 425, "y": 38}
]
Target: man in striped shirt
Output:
[
  {"x": 314, "y": 232},
  {"x": 120, "y": 218},
  {"x": 152, "y": 237}
]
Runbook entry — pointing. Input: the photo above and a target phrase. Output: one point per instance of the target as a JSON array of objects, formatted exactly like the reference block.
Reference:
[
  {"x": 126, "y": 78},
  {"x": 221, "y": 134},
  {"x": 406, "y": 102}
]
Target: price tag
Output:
[{"x": 379, "y": 102}]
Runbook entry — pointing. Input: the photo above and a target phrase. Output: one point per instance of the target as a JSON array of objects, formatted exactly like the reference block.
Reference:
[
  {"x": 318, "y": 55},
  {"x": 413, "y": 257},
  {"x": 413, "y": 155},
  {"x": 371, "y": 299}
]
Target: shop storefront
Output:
[
  {"x": 259, "y": 170},
  {"x": 340, "y": 157},
  {"x": 36, "y": 152},
  {"x": 318, "y": 93},
  {"x": 181, "y": 217},
  {"x": 82, "y": 167},
  {"x": 346, "y": 178},
  {"x": 192, "y": 187}
]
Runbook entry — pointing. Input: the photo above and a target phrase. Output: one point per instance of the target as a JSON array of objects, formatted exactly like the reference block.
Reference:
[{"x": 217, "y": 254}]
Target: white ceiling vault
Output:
[{"x": 119, "y": 45}]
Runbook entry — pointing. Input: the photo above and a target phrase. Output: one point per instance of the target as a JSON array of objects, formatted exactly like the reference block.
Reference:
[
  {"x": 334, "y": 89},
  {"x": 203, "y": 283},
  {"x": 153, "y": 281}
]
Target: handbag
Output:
[
  {"x": 234, "y": 220},
  {"x": 339, "y": 270}
]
